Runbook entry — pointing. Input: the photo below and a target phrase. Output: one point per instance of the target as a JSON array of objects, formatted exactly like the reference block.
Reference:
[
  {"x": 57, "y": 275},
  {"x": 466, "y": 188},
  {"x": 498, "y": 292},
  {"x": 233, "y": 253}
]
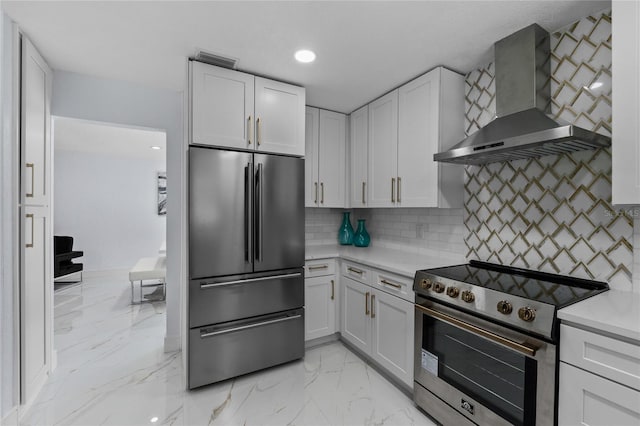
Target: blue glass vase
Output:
[
  {"x": 361, "y": 237},
  {"x": 345, "y": 233}
]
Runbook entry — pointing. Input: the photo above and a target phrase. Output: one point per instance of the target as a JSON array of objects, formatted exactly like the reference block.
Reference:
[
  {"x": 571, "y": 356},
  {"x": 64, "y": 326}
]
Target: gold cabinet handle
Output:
[
  {"x": 391, "y": 284},
  {"x": 249, "y": 130},
  {"x": 30, "y": 216},
  {"x": 399, "y": 187},
  {"x": 366, "y": 303},
  {"x": 33, "y": 180},
  {"x": 313, "y": 268},
  {"x": 333, "y": 289},
  {"x": 393, "y": 190},
  {"x": 373, "y": 304},
  {"x": 363, "y": 183},
  {"x": 321, "y": 192},
  {"x": 315, "y": 201},
  {"x": 258, "y": 132},
  {"x": 357, "y": 271}
]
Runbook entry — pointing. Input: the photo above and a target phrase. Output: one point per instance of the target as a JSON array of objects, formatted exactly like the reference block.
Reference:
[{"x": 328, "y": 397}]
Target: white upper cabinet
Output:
[
  {"x": 625, "y": 18},
  {"x": 280, "y": 115},
  {"x": 406, "y": 128},
  {"x": 383, "y": 150},
  {"x": 222, "y": 111},
  {"x": 232, "y": 109},
  {"x": 325, "y": 165},
  {"x": 359, "y": 126}
]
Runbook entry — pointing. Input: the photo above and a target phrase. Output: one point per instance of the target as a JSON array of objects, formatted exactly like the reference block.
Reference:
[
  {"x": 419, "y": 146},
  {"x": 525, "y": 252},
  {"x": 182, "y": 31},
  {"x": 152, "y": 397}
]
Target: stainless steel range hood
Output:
[{"x": 523, "y": 127}]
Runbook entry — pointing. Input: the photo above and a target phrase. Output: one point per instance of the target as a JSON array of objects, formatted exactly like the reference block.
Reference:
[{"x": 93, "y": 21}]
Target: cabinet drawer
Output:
[
  {"x": 394, "y": 284},
  {"x": 319, "y": 268},
  {"x": 606, "y": 356},
  {"x": 357, "y": 272}
]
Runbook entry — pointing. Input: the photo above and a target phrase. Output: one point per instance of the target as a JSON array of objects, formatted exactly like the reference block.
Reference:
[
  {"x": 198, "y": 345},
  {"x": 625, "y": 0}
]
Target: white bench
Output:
[{"x": 149, "y": 268}]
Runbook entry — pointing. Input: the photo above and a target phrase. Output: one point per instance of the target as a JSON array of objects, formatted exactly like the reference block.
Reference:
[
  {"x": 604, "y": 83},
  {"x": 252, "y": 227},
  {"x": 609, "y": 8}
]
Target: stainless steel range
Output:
[{"x": 486, "y": 340}]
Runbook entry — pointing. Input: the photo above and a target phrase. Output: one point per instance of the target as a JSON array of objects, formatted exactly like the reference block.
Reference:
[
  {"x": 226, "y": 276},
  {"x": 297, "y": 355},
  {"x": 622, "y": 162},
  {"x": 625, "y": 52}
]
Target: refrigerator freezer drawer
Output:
[
  {"x": 221, "y": 352},
  {"x": 213, "y": 301}
]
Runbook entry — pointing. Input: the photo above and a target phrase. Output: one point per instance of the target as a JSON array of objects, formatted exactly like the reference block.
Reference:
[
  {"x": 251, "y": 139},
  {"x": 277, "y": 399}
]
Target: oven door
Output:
[{"x": 485, "y": 372}]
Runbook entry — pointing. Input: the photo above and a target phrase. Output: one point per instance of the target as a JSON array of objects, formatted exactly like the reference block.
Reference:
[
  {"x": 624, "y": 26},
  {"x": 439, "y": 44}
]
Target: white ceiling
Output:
[
  {"x": 71, "y": 134},
  {"x": 364, "y": 48}
]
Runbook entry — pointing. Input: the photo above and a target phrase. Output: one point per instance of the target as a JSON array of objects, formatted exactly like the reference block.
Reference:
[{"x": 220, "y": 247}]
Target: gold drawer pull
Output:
[
  {"x": 366, "y": 303},
  {"x": 333, "y": 289},
  {"x": 398, "y": 286},
  {"x": 357, "y": 271},
  {"x": 313, "y": 268},
  {"x": 30, "y": 216}
]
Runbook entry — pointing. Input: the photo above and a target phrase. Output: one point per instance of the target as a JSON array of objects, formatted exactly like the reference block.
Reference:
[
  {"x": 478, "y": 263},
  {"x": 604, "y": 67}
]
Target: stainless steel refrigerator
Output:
[{"x": 246, "y": 258}]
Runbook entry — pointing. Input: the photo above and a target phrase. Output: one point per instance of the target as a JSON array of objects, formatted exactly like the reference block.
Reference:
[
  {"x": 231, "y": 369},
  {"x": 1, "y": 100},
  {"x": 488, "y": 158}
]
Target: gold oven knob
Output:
[
  {"x": 438, "y": 287},
  {"x": 527, "y": 314},
  {"x": 453, "y": 292},
  {"x": 505, "y": 307},
  {"x": 425, "y": 283},
  {"x": 467, "y": 296}
]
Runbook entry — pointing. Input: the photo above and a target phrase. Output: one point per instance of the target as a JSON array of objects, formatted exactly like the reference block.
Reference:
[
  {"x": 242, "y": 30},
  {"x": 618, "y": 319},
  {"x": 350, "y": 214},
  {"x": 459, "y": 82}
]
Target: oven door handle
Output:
[{"x": 503, "y": 341}]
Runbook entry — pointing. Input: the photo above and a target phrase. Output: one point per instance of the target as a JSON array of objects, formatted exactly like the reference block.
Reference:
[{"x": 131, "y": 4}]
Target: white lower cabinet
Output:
[
  {"x": 380, "y": 325},
  {"x": 320, "y": 299},
  {"x": 599, "y": 379}
]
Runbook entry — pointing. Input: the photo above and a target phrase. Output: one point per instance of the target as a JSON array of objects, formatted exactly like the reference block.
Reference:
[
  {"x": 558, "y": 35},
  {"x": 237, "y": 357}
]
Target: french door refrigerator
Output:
[{"x": 246, "y": 257}]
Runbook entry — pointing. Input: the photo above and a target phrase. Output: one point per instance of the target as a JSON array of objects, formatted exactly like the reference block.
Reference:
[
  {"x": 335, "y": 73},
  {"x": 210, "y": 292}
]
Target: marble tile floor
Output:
[{"x": 111, "y": 370}]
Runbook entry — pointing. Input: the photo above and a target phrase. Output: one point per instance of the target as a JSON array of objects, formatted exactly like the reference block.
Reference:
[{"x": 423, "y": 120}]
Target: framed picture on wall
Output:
[{"x": 162, "y": 193}]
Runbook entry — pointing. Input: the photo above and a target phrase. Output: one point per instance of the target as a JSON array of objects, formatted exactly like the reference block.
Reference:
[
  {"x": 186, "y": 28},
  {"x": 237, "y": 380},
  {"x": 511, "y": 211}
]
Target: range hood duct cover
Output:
[{"x": 523, "y": 127}]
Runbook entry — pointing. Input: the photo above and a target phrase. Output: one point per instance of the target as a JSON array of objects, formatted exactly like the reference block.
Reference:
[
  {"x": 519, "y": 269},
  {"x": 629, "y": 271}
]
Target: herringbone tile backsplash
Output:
[{"x": 553, "y": 213}]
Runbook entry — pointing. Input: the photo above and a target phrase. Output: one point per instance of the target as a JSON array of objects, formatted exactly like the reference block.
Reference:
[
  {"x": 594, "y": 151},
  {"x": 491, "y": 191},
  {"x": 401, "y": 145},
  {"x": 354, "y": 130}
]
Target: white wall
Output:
[
  {"x": 99, "y": 99},
  {"x": 9, "y": 362},
  {"x": 108, "y": 204}
]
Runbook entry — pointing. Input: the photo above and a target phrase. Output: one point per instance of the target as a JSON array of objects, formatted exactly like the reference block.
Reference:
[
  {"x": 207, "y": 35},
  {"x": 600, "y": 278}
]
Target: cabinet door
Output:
[
  {"x": 280, "y": 116},
  {"x": 311, "y": 129},
  {"x": 36, "y": 127},
  {"x": 359, "y": 156},
  {"x": 35, "y": 299},
  {"x": 356, "y": 324},
  {"x": 418, "y": 141},
  {"x": 222, "y": 107},
  {"x": 331, "y": 159},
  {"x": 383, "y": 150},
  {"x": 626, "y": 102},
  {"x": 320, "y": 303},
  {"x": 587, "y": 399},
  {"x": 392, "y": 340}
]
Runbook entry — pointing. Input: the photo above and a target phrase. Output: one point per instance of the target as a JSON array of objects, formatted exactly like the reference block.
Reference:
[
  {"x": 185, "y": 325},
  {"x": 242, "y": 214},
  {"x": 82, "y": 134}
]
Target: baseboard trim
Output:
[
  {"x": 321, "y": 340},
  {"x": 172, "y": 343},
  {"x": 11, "y": 419}
]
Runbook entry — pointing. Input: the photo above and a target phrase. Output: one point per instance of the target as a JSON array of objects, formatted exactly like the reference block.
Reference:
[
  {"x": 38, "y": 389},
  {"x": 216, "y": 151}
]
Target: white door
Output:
[
  {"x": 588, "y": 399},
  {"x": 280, "y": 116},
  {"x": 359, "y": 156},
  {"x": 36, "y": 127},
  {"x": 319, "y": 306},
  {"x": 356, "y": 324},
  {"x": 222, "y": 107},
  {"x": 383, "y": 150},
  {"x": 418, "y": 141},
  {"x": 36, "y": 276},
  {"x": 392, "y": 341},
  {"x": 311, "y": 190},
  {"x": 332, "y": 159}
]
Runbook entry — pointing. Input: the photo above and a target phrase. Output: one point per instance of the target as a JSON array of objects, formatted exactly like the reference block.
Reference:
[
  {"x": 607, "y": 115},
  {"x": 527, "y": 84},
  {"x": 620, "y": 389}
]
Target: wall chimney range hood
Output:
[{"x": 523, "y": 127}]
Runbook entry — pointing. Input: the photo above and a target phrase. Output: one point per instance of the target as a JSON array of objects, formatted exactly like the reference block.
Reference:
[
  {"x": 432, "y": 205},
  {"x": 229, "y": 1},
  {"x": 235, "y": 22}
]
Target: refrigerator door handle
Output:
[
  {"x": 259, "y": 224},
  {"x": 244, "y": 327},
  {"x": 247, "y": 212},
  {"x": 206, "y": 285}
]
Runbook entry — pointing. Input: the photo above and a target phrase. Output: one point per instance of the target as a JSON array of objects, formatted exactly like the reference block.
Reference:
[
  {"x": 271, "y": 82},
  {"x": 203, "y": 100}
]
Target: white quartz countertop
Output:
[
  {"x": 399, "y": 261},
  {"x": 616, "y": 312}
]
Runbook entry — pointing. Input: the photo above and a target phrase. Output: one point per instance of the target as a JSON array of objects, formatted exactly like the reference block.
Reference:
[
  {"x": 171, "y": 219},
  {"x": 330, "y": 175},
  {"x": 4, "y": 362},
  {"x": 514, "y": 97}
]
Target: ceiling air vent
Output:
[{"x": 217, "y": 60}]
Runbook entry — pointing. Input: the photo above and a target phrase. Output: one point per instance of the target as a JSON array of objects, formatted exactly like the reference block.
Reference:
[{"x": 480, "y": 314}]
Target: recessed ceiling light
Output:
[
  {"x": 305, "y": 56},
  {"x": 155, "y": 147},
  {"x": 154, "y": 419}
]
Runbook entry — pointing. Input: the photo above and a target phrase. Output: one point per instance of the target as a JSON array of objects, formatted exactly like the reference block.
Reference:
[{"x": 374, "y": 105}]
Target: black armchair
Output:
[{"x": 63, "y": 253}]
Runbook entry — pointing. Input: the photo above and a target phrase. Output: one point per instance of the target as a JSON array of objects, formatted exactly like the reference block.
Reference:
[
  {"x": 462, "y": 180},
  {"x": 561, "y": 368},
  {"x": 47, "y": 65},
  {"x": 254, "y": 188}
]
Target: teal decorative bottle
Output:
[
  {"x": 361, "y": 237},
  {"x": 345, "y": 233}
]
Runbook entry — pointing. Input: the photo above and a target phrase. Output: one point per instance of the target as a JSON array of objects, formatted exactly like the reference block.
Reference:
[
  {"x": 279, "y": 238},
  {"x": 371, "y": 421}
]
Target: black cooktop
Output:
[{"x": 558, "y": 290}]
